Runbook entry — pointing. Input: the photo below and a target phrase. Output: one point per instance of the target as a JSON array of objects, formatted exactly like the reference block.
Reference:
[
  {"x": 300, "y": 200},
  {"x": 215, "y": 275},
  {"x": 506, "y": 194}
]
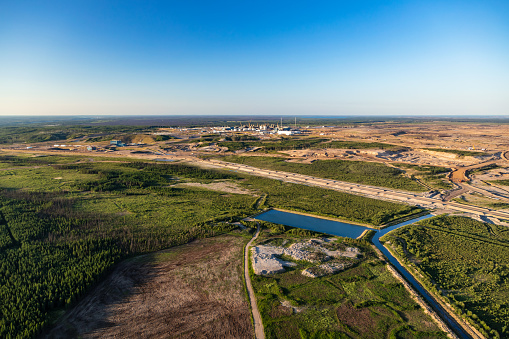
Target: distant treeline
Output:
[
  {"x": 151, "y": 175},
  {"x": 22, "y": 134}
]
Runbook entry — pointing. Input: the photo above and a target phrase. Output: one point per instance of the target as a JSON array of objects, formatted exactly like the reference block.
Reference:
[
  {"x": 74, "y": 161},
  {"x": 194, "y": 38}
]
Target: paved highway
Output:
[{"x": 372, "y": 191}]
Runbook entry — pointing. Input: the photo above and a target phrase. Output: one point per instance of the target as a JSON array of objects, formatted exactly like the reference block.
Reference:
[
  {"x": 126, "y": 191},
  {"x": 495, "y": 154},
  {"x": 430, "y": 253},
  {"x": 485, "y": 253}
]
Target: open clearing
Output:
[
  {"x": 189, "y": 291},
  {"x": 362, "y": 301}
]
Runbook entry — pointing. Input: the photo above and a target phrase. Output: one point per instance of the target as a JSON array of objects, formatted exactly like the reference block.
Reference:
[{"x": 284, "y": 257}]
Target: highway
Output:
[
  {"x": 366, "y": 190},
  {"x": 462, "y": 330},
  {"x": 359, "y": 189}
]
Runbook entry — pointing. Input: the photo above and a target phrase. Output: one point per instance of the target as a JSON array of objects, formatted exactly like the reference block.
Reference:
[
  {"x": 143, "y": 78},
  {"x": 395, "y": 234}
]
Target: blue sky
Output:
[{"x": 254, "y": 57}]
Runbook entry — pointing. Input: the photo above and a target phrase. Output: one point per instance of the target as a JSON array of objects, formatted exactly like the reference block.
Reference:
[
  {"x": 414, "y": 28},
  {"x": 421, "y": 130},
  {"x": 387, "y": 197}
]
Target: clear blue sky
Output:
[{"x": 254, "y": 57}]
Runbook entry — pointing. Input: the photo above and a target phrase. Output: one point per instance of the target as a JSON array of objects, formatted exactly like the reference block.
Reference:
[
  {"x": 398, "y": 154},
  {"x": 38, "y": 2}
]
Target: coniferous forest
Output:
[{"x": 65, "y": 222}]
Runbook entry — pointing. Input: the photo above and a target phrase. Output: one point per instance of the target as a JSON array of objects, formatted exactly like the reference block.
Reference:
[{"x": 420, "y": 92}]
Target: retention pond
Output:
[{"x": 354, "y": 231}]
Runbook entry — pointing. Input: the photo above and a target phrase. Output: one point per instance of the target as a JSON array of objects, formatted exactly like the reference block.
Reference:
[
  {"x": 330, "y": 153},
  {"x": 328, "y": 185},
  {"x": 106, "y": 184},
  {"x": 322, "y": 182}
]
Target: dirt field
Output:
[
  {"x": 190, "y": 291},
  {"x": 490, "y": 136}
]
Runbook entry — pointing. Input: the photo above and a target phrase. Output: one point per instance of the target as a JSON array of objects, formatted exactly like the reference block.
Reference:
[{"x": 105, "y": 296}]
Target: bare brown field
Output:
[
  {"x": 190, "y": 291},
  {"x": 456, "y": 135}
]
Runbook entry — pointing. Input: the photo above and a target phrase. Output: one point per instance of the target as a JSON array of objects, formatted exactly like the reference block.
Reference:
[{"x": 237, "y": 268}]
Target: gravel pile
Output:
[{"x": 265, "y": 258}]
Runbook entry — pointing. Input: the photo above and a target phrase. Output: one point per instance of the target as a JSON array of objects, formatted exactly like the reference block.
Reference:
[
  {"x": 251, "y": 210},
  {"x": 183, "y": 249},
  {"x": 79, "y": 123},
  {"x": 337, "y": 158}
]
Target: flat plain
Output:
[
  {"x": 77, "y": 210},
  {"x": 189, "y": 291}
]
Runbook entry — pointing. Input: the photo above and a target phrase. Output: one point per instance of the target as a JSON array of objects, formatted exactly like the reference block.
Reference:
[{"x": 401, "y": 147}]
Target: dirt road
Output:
[
  {"x": 257, "y": 318},
  {"x": 460, "y": 174}
]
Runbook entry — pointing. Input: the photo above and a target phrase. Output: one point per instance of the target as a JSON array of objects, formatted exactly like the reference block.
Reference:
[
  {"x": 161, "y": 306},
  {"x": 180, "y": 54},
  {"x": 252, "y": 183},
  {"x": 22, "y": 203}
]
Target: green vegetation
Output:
[
  {"x": 467, "y": 262},
  {"x": 240, "y": 137},
  {"x": 363, "y": 301},
  {"x": 56, "y": 246},
  {"x": 483, "y": 168},
  {"x": 236, "y": 143},
  {"x": 343, "y": 144},
  {"x": 207, "y": 138},
  {"x": 477, "y": 199},
  {"x": 282, "y": 144},
  {"x": 501, "y": 182},
  {"x": 329, "y": 203},
  {"x": 18, "y": 134},
  {"x": 163, "y": 137},
  {"x": 456, "y": 151},
  {"x": 64, "y": 226},
  {"x": 433, "y": 176},
  {"x": 425, "y": 169},
  {"x": 369, "y": 173},
  {"x": 11, "y": 161}
]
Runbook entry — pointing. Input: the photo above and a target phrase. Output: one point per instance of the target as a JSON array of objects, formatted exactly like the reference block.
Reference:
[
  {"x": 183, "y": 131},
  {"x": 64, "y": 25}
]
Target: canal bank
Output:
[
  {"x": 342, "y": 229},
  {"x": 446, "y": 315}
]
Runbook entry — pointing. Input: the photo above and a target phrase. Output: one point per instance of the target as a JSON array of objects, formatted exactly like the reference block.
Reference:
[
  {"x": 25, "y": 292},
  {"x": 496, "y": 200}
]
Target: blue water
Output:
[
  {"x": 313, "y": 224},
  {"x": 353, "y": 231}
]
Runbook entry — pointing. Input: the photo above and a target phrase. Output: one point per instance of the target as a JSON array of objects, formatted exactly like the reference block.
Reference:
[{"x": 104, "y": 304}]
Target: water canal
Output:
[{"x": 354, "y": 231}]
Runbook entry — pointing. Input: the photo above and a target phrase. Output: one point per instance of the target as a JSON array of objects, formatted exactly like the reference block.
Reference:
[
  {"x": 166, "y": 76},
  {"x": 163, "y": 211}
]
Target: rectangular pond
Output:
[{"x": 313, "y": 223}]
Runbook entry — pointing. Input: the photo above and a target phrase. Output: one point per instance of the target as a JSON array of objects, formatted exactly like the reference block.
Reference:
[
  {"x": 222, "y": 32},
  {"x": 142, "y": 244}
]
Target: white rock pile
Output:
[{"x": 265, "y": 258}]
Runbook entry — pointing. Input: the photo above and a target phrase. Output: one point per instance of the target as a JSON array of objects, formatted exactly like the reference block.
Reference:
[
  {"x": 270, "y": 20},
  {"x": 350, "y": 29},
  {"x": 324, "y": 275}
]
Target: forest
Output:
[
  {"x": 361, "y": 172},
  {"x": 65, "y": 222},
  {"x": 466, "y": 262},
  {"x": 55, "y": 246},
  {"x": 284, "y": 144},
  {"x": 26, "y": 134}
]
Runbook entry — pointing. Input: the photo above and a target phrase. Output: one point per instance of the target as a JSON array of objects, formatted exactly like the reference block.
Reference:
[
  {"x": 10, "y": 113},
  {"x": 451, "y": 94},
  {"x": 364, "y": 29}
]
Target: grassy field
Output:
[
  {"x": 368, "y": 173},
  {"x": 477, "y": 199},
  {"x": 364, "y": 301},
  {"x": 63, "y": 227},
  {"x": 342, "y": 144},
  {"x": 467, "y": 262},
  {"x": 282, "y": 144}
]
